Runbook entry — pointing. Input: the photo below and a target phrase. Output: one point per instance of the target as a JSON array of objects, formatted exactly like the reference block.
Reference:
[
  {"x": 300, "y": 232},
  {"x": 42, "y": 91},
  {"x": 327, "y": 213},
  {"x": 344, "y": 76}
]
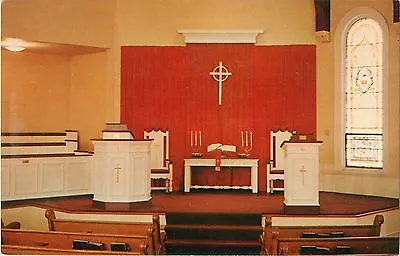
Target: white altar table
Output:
[{"x": 225, "y": 162}]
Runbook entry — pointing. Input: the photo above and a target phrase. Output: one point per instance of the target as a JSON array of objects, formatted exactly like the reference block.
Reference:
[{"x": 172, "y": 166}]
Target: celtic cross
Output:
[{"x": 220, "y": 74}]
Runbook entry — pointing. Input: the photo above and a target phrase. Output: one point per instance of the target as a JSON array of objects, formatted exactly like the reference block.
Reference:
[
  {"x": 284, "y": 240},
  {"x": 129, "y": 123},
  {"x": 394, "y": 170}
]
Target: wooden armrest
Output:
[{"x": 276, "y": 171}]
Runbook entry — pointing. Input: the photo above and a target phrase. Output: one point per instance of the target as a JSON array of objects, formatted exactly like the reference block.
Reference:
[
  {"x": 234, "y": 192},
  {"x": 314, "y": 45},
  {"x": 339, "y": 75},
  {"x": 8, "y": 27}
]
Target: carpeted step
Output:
[
  {"x": 210, "y": 247},
  {"x": 213, "y": 232},
  {"x": 213, "y": 219}
]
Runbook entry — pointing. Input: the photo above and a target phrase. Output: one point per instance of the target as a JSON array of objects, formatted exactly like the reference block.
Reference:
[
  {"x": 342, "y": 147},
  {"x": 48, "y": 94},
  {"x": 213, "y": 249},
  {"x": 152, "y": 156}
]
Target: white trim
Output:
[
  {"x": 220, "y": 36},
  {"x": 339, "y": 41}
]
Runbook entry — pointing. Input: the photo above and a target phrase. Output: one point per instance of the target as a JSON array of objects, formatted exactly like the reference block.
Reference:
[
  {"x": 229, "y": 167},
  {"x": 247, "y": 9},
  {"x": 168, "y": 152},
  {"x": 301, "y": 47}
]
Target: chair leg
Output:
[
  {"x": 271, "y": 186},
  {"x": 166, "y": 185}
]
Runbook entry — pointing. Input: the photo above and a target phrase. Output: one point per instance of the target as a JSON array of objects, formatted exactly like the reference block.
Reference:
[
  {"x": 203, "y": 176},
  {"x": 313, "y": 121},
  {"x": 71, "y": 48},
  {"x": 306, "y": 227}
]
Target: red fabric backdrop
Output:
[{"x": 170, "y": 88}]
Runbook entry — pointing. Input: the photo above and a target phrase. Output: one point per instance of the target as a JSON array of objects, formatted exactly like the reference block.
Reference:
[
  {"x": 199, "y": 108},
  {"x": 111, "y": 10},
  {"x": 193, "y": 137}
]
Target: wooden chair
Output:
[
  {"x": 161, "y": 166},
  {"x": 276, "y": 165}
]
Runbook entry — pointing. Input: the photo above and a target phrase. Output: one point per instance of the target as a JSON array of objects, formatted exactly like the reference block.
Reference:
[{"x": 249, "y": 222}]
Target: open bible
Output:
[
  {"x": 223, "y": 148},
  {"x": 219, "y": 148}
]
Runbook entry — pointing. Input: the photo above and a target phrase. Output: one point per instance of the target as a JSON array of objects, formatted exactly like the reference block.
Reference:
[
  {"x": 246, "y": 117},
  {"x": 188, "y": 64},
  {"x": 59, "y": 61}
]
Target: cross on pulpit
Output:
[
  {"x": 302, "y": 171},
  {"x": 118, "y": 171},
  {"x": 220, "y": 74}
]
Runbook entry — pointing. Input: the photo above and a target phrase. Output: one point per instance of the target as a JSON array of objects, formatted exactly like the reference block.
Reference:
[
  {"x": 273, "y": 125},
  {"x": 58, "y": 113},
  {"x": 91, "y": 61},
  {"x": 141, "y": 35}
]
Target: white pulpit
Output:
[
  {"x": 301, "y": 187},
  {"x": 121, "y": 169}
]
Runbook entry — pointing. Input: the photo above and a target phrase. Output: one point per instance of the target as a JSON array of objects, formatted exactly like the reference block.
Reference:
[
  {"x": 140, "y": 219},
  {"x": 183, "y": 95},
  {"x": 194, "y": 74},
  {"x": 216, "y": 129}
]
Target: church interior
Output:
[{"x": 210, "y": 127}]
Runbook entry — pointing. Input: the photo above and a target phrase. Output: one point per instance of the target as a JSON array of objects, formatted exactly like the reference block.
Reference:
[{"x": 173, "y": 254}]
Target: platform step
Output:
[
  {"x": 214, "y": 232},
  {"x": 212, "y": 242},
  {"x": 210, "y": 247},
  {"x": 213, "y": 219}
]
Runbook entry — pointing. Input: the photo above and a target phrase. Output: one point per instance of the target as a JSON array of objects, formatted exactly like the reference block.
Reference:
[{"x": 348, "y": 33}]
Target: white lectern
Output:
[
  {"x": 301, "y": 186},
  {"x": 121, "y": 169}
]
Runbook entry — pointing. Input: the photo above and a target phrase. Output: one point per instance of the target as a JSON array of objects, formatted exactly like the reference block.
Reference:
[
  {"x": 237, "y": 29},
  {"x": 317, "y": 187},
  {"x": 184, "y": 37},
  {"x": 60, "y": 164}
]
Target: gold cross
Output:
[
  {"x": 118, "y": 170},
  {"x": 302, "y": 170}
]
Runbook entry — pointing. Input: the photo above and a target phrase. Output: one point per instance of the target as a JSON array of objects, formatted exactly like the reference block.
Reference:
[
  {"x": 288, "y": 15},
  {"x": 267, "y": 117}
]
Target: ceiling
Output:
[{"x": 57, "y": 49}]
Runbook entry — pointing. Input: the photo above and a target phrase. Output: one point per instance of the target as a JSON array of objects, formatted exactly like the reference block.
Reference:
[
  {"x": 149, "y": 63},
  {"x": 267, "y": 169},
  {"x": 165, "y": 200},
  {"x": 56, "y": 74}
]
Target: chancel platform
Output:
[{"x": 331, "y": 204}]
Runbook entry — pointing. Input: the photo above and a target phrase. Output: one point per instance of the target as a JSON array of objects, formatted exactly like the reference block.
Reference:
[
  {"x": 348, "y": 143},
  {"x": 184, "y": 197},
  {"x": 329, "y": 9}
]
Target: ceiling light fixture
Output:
[{"x": 14, "y": 44}]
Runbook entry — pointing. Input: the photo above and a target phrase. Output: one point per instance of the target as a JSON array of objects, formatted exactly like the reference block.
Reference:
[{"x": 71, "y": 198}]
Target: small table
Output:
[{"x": 225, "y": 162}]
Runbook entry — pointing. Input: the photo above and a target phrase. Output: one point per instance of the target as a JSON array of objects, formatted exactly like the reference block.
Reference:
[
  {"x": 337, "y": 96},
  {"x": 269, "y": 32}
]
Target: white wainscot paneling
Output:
[
  {"x": 26, "y": 179},
  {"x": 78, "y": 174},
  {"x": 5, "y": 179},
  {"x": 53, "y": 176}
]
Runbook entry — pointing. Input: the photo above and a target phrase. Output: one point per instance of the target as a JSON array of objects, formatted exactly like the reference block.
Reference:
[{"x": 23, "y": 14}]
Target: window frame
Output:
[{"x": 340, "y": 82}]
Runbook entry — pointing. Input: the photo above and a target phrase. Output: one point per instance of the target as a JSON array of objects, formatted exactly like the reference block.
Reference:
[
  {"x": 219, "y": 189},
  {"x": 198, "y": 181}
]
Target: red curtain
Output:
[{"x": 170, "y": 88}]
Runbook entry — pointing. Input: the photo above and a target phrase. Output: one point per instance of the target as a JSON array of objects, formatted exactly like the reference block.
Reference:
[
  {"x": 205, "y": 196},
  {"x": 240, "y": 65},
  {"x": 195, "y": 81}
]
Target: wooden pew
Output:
[
  {"x": 109, "y": 227},
  {"x": 35, "y": 250},
  {"x": 12, "y": 225},
  {"x": 317, "y": 231},
  {"x": 138, "y": 244},
  {"x": 342, "y": 245}
]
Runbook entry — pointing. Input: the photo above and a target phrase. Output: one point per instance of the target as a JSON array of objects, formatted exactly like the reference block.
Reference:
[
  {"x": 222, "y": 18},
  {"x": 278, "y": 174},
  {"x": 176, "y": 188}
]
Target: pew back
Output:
[
  {"x": 342, "y": 245},
  {"x": 108, "y": 227},
  {"x": 318, "y": 231},
  {"x": 64, "y": 240},
  {"x": 35, "y": 250}
]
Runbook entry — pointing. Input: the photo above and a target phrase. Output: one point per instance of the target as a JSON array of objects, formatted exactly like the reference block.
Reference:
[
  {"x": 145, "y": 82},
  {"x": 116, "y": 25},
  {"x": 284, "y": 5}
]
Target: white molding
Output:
[{"x": 220, "y": 36}]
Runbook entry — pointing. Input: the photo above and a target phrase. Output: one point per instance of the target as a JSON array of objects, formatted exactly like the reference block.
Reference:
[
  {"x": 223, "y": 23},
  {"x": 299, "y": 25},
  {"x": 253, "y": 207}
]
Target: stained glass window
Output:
[{"x": 364, "y": 95}]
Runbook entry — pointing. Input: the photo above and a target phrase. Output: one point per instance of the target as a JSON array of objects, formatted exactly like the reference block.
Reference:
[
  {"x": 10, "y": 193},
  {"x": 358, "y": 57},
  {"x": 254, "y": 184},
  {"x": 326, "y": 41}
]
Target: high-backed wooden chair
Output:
[
  {"x": 161, "y": 166},
  {"x": 276, "y": 164}
]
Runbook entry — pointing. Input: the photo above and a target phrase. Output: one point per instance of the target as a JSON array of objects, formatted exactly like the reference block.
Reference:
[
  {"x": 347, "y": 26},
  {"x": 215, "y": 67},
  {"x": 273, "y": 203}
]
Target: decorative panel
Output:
[
  {"x": 26, "y": 178},
  {"x": 5, "y": 179},
  {"x": 77, "y": 176},
  {"x": 53, "y": 176}
]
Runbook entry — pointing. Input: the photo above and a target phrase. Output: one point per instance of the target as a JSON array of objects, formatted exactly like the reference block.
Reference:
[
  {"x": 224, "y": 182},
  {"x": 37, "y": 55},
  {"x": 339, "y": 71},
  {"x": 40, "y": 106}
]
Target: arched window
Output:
[{"x": 363, "y": 93}]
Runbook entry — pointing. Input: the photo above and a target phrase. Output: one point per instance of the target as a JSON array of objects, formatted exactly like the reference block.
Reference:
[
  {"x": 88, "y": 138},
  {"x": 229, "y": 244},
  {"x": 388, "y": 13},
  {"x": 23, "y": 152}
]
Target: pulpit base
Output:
[
  {"x": 302, "y": 209},
  {"x": 121, "y": 206}
]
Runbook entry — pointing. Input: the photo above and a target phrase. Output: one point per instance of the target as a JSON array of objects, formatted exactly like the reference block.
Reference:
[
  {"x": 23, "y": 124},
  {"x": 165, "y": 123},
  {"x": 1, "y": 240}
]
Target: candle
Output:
[
  {"x": 200, "y": 138},
  {"x": 242, "y": 138},
  {"x": 191, "y": 138},
  {"x": 251, "y": 139},
  {"x": 195, "y": 138},
  {"x": 247, "y": 139}
]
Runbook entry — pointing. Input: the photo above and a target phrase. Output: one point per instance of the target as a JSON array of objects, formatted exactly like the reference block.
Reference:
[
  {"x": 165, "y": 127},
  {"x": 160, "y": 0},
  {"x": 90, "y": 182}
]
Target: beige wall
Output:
[
  {"x": 81, "y": 22},
  {"x": 35, "y": 92},
  {"x": 88, "y": 96},
  {"x": 333, "y": 178},
  {"x": 79, "y": 100},
  {"x": 156, "y": 22}
]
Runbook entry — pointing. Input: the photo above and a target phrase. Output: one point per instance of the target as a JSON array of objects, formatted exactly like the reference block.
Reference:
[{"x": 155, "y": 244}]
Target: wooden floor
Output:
[{"x": 331, "y": 204}]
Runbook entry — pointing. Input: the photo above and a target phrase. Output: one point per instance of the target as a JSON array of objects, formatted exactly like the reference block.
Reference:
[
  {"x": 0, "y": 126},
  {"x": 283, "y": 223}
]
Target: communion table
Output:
[{"x": 225, "y": 162}]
